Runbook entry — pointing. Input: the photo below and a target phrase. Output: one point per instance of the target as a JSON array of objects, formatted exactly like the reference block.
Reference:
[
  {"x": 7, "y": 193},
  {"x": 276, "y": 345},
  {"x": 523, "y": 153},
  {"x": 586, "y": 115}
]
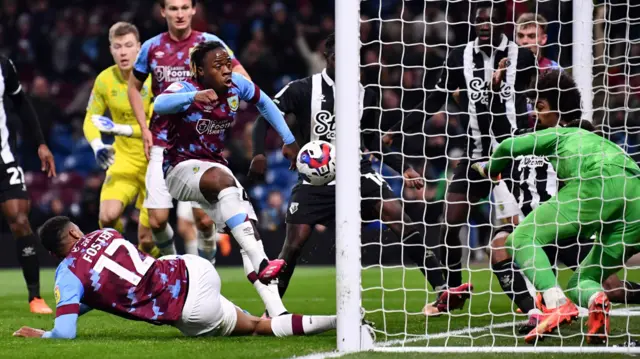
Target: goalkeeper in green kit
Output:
[{"x": 601, "y": 195}]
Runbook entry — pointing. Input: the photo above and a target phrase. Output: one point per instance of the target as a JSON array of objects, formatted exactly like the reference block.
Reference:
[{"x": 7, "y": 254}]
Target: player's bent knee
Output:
[
  {"x": 498, "y": 247},
  {"x": 158, "y": 219},
  {"x": 202, "y": 220},
  {"x": 214, "y": 180},
  {"x": 19, "y": 224}
]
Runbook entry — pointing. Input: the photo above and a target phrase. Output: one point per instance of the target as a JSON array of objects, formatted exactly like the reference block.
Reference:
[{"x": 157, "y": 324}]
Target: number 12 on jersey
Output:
[{"x": 141, "y": 267}]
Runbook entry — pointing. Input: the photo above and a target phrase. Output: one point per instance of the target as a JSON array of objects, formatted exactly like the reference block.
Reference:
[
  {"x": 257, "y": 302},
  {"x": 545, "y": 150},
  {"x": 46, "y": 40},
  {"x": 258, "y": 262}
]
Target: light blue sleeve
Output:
[
  {"x": 68, "y": 293},
  {"x": 268, "y": 109},
  {"x": 142, "y": 61},
  {"x": 175, "y": 99},
  {"x": 211, "y": 37}
]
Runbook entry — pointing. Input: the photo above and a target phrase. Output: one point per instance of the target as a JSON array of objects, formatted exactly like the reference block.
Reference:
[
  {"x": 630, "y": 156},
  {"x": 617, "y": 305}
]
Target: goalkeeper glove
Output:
[
  {"x": 481, "y": 168},
  {"x": 107, "y": 126},
  {"x": 105, "y": 154}
]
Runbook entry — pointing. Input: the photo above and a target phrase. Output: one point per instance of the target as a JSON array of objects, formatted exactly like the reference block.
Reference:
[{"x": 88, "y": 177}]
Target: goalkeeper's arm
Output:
[{"x": 536, "y": 143}]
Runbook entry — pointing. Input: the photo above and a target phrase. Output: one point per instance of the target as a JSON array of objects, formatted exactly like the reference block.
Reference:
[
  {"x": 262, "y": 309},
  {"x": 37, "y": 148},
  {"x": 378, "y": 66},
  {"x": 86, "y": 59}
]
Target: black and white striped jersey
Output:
[
  {"x": 9, "y": 85},
  {"x": 312, "y": 101},
  {"x": 538, "y": 182}
]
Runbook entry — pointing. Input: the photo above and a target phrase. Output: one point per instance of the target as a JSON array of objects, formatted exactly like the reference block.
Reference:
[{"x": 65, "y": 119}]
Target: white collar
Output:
[
  {"x": 501, "y": 47},
  {"x": 326, "y": 77}
]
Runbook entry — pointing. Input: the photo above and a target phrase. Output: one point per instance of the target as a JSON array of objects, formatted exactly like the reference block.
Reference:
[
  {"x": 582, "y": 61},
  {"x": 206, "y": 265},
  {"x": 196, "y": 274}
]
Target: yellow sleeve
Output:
[{"x": 96, "y": 106}]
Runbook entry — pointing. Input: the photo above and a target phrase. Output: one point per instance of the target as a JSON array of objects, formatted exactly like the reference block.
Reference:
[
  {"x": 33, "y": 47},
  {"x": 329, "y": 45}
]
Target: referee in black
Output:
[
  {"x": 14, "y": 199},
  {"x": 489, "y": 77},
  {"x": 311, "y": 100}
]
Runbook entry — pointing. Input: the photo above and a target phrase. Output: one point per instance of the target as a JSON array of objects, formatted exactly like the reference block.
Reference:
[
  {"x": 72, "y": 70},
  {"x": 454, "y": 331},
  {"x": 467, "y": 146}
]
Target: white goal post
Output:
[{"x": 460, "y": 333}]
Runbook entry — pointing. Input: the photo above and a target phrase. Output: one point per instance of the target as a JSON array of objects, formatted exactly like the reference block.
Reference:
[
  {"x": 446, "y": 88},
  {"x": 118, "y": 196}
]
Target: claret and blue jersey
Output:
[
  {"x": 106, "y": 272},
  {"x": 197, "y": 130},
  {"x": 167, "y": 61}
]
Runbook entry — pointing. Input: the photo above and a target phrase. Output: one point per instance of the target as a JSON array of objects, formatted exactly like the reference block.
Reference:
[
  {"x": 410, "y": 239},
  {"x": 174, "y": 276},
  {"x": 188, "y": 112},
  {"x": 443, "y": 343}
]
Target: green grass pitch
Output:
[{"x": 393, "y": 299}]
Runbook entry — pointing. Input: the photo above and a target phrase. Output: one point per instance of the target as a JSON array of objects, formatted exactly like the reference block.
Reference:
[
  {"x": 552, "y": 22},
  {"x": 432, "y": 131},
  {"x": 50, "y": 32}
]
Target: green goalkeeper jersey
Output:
[{"x": 573, "y": 152}]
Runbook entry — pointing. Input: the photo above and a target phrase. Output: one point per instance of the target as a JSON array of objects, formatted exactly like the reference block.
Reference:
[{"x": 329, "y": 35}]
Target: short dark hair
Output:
[
  {"x": 52, "y": 231},
  {"x": 330, "y": 44},
  {"x": 161, "y": 2},
  {"x": 198, "y": 52},
  {"x": 499, "y": 5},
  {"x": 560, "y": 90}
]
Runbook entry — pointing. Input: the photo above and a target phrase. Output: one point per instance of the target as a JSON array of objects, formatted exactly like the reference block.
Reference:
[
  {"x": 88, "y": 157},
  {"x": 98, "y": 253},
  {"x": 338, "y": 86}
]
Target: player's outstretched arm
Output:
[
  {"x": 179, "y": 96},
  {"x": 283, "y": 325},
  {"x": 137, "y": 105},
  {"x": 537, "y": 143}
]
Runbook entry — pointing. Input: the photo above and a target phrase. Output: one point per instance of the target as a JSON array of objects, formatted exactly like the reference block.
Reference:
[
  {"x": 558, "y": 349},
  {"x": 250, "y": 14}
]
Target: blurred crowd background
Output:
[{"x": 59, "y": 46}]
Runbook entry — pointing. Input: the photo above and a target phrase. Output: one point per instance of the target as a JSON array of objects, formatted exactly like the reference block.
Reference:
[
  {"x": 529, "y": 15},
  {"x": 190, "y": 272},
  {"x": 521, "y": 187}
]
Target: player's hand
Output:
[
  {"x": 147, "y": 141},
  {"x": 207, "y": 97},
  {"x": 258, "y": 167},
  {"x": 498, "y": 75},
  {"x": 107, "y": 126},
  {"x": 412, "y": 179},
  {"x": 105, "y": 156},
  {"x": 456, "y": 95},
  {"x": 47, "y": 163},
  {"x": 26, "y": 332},
  {"x": 290, "y": 152},
  {"x": 481, "y": 168},
  {"x": 387, "y": 139}
]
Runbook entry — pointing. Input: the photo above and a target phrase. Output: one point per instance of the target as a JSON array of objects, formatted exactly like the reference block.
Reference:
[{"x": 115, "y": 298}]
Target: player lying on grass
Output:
[
  {"x": 569, "y": 252},
  {"x": 199, "y": 112},
  {"x": 601, "y": 195},
  {"x": 104, "y": 271}
]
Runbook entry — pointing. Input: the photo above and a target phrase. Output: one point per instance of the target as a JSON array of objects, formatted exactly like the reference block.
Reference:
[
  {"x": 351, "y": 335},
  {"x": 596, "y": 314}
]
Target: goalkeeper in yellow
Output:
[
  {"x": 601, "y": 195},
  {"x": 125, "y": 161}
]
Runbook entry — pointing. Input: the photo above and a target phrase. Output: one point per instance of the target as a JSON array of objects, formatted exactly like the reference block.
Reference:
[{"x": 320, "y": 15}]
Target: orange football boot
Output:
[
  {"x": 38, "y": 306},
  {"x": 553, "y": 318},
  {"x": 598, "y": 323}
]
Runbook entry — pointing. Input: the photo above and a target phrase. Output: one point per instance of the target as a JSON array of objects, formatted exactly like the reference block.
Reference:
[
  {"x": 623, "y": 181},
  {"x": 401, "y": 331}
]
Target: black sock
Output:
[
  {"x": 632, "y": 292},
  {"x": 453, "y": 257},
  {"x": 425, "y": 259},
  {"x": 513, "y": 284},
  {"x": 284, "y": 277},
  {"x": 26, "y": 249}
]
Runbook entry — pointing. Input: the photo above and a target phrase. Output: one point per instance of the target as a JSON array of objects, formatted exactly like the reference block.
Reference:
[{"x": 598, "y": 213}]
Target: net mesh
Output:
[{"x": 404, "y": 46}]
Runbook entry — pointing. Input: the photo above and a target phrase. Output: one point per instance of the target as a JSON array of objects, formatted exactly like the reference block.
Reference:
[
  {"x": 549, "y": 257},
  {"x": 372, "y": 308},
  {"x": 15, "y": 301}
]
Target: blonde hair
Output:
[
  {"x": 122, "y": 28},
  {"x": 530, "y": 19}
]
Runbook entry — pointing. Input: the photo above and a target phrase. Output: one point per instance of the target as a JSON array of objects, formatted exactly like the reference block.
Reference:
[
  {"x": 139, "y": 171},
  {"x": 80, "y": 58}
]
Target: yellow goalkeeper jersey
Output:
[{"x": 110, "y": 91}]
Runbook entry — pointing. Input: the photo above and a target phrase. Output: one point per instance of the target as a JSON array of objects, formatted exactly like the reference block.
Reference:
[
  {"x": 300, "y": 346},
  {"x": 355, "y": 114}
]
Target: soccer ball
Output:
[{"x": 317, "y": 163}]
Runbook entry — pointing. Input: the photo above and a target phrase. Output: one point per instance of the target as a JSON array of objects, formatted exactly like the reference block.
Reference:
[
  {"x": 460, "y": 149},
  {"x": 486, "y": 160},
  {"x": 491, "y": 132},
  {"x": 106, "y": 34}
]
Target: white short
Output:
[
  {"x": 157, "y": 194},
  {"x": 504, "y": 203},
  {"x": 185, "y": 210},
  {"x": 206, "y": 311},
  {"x": 183, "y": 182}
]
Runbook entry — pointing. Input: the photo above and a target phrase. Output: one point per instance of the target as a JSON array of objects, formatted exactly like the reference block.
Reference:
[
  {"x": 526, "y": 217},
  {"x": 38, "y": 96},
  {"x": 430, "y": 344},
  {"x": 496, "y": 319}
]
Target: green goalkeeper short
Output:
[{"x": 604, "y": 203}]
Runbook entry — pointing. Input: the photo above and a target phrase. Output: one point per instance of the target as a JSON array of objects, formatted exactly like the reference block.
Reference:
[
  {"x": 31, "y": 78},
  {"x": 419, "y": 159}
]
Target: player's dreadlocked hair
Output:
[
  {"x": 198, "y": 52},
  {"x": 559, "y": 89},
  {"x": 51, "y": 233}
]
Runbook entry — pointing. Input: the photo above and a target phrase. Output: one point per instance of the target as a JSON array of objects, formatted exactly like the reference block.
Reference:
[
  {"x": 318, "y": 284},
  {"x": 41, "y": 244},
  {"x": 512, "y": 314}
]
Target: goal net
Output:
[{"x": 397, "y": 49}]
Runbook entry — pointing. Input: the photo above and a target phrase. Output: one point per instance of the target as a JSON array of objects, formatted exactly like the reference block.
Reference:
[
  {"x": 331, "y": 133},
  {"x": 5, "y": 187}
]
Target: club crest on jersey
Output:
[
  {"x": 196, "y": 169},
  {"x": 293, "y": 208},
  {"x": 56, "y": 293},
  {"x": 233, "y": 102}
]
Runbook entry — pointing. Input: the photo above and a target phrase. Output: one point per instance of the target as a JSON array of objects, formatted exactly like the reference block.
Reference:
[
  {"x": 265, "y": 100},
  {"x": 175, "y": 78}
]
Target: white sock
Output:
[
  {"x": 294, "y": 324},
  {"x": 592, "y": 298},
  {"x": 554, "y": 297},
  {"x": 269, "y": 293},
  {"x": 164, "y": 241},
  {"x": 233, "y": 214},
  {"x": 191, "y": 247},
  {"x": 532, "y": 289},
  {"x": 534, "y": 311},
  {"x": 207, "y": 247}
]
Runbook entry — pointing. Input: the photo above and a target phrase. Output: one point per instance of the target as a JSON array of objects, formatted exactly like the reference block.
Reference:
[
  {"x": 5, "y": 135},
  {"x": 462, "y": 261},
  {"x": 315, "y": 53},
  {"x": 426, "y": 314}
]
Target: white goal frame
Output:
[{"x": 352, "y": 336}]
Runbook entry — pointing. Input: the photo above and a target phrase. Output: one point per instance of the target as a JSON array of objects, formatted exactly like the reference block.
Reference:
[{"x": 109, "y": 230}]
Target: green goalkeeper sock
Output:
[{"x": 533, "y": 261}]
